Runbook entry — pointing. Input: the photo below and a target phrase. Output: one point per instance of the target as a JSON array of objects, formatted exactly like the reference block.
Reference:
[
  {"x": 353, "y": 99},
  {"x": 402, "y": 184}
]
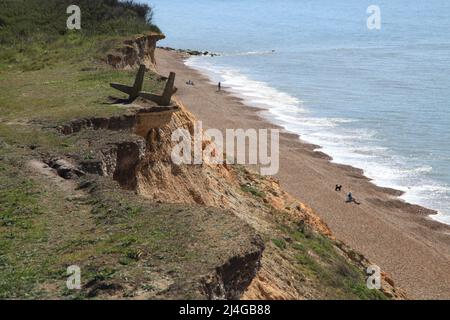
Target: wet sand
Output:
[{"x": 400, "y": 238}]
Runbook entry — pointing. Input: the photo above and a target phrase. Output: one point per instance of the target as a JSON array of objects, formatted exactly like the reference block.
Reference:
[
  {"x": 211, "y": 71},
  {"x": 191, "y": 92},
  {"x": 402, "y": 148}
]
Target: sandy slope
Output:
[{"x": 399, "y": 237}]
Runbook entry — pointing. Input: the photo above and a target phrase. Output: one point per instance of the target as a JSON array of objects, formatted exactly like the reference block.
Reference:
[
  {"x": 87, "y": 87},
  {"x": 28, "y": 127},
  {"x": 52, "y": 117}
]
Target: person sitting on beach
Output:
[
  {"x": 350, "y": 199},
  {"x": 338, "y": 187}
]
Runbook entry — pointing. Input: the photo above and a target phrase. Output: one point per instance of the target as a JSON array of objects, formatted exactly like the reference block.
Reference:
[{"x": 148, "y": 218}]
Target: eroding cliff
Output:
[
  {"x": 292, "y": 255},
  {"x": 133, "y": 52},
  {"x": 231, "y": 280},
  {"x": 299, "y": 246}
]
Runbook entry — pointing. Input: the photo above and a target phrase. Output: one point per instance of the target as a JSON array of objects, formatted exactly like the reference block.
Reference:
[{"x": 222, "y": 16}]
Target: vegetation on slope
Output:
[{"x": 34, "y": 34}]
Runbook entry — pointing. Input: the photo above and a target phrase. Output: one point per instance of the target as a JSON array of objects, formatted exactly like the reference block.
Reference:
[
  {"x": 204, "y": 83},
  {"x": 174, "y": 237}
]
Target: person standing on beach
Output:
[{"x": 219, "y": 86}]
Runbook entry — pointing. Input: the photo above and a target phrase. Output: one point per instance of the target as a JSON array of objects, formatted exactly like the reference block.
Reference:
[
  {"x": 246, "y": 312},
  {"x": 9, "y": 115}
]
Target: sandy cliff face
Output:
[
  {"x": 228, "y": 187},
  {"x": 134, "y": 150},
  {"x": 140, "y": 50}
]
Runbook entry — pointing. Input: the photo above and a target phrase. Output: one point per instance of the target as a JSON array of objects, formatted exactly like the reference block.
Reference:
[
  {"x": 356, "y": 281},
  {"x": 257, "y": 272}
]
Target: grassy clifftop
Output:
[{"x": 33, "y": 33}]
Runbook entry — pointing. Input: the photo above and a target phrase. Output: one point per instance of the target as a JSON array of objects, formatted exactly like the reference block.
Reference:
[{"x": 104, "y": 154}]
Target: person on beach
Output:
[
  {"x": 219, "y": 86},
  {"x": 350, "y": 199}
]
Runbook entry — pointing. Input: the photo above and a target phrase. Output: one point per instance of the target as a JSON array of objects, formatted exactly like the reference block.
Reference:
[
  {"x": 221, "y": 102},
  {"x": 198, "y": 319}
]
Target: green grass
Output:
[
  {"x": 280, "y": 243},
  {"x": 252, "y": 190},
  {"x": 63, "y": 93},
  {"x": 18, "y": 202},
  {"x": 318, "y": 259},
  {"x": 75, "y": 85},
  {"x": 22, "y": 233}
]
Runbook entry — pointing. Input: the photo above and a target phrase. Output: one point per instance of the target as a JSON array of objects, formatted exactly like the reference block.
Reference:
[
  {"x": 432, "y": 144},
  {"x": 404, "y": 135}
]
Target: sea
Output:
[{"x": 372, "y": 94}]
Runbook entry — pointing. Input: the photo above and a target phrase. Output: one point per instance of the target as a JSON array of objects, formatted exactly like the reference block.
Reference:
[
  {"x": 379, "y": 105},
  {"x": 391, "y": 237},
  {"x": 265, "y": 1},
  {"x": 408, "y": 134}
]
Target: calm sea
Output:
[{"x": 375, "y": 99}]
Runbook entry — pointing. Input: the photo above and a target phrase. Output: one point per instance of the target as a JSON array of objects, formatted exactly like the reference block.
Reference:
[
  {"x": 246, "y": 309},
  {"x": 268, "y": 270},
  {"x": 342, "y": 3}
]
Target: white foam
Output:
[
  {"x": 441, "y": 217},
  {"x": 248, "y": 53},
  {"x": 357, "y": 147}
]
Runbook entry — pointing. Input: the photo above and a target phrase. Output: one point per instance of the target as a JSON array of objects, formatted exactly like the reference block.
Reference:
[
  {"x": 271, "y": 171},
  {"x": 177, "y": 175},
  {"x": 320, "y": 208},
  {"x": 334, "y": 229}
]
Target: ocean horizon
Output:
[{"x": 373, "y": 99}]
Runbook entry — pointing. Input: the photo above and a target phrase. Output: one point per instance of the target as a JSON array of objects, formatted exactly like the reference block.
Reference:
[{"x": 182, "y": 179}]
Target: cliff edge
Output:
[
  {"x": 133, "y": 52},
  {"x": 90, "y": 182}
]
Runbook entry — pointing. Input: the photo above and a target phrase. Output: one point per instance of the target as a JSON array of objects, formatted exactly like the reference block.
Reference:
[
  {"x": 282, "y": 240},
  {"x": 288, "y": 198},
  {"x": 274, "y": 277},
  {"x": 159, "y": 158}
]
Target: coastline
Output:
[{"x": 400, "y": 237}]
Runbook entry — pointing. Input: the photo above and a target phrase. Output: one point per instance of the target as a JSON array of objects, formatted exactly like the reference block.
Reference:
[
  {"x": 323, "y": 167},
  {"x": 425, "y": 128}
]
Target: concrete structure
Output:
[
  {"x": 136, "y": 90},
  {"x": 133, "y": 92},
  {"x": 166, "y": 97}
]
